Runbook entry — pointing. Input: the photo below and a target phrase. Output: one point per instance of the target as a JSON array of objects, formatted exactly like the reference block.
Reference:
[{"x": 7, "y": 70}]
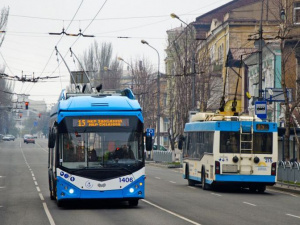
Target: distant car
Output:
[
  {"x": 161, "y": 147},
  {"x": 8, "y": 137},
  {"x": 29, "y": 139}
]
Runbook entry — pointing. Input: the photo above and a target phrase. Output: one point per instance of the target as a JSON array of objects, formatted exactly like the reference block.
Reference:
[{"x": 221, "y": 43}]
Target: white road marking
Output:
[
  {"x": 2, "y": 176},
  {"x": 50, "y": 218},
  {"x": 172, "y": 182},
  {"x": 191, "y": 187},
  {"x": 293, "y": 216},
  {"x": 216, "y": 194},
  {"x": 170, "y": 212},
  {"x": 2, "y": 187},
  {"x": 158, "y": 178},
  {"x": 48, "y": 214},
  {"x": 41, "y": 196},
  {"x": 249, "y": 203}
]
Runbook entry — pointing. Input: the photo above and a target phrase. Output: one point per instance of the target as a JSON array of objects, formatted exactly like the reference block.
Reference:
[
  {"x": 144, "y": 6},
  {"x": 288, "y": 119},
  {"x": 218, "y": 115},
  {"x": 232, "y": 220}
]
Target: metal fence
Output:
[
  {"x": 163, "y": 156},
  {"x": 288, "y": 172}
]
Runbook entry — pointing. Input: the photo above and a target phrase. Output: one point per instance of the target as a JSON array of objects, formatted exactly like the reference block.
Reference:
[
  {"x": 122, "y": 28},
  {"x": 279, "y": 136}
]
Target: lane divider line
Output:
[
  {"x": 48, "y": 214},
  {"x": 50, "y": 218},
  {"x": 216, "y": 194},
  {"x": 249, "y": 203},
  {"x": 293, "y": 216},
  {"x": 170, "y": 212}
]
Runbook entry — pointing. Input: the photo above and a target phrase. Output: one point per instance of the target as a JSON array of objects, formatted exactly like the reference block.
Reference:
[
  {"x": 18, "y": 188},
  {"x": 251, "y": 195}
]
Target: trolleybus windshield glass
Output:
[{"x": 101, "y": 143}]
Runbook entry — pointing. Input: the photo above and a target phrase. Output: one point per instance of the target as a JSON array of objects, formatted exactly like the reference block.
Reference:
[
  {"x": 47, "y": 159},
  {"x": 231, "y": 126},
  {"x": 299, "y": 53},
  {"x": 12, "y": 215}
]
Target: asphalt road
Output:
[{"x": 24, "y": 198}]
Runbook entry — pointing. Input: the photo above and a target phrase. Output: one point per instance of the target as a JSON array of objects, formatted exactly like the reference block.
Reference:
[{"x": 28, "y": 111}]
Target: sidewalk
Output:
[{"x": 278, "y": 186}]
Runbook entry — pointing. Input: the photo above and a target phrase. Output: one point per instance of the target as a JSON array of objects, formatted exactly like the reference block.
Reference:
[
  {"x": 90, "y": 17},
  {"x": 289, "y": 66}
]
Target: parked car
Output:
[
  {"x": 161, "y": 147},
  {"x": 8, "y": 137},
  {"x": 29, "y": 139}
]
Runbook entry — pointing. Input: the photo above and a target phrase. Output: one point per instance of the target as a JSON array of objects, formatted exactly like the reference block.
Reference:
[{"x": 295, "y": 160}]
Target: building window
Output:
[{"x": 297, "y": 13}]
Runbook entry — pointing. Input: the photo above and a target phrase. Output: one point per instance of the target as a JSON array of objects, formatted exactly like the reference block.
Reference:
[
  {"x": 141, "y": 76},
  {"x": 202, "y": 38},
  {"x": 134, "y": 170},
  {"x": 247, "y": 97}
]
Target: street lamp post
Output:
[
  {"x": 132, "y": 71},
  {"x": 158, "y": 95},
  {"x": 173, "y": 15}
]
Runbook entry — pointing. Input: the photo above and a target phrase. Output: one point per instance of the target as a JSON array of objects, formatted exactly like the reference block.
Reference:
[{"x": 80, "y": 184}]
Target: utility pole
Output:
[{"x": 260, "y": 54}]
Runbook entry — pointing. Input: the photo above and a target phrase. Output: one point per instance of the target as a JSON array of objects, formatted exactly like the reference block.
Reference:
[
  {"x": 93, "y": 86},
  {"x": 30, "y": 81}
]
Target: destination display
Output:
[
  {"x": 262, "y": 126},
  {"x": 101, "y": 122}
]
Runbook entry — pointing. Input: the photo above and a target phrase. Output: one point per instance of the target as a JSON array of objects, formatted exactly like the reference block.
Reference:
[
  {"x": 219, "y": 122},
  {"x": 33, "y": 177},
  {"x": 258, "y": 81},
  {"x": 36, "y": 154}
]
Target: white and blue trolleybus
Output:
[
  {"x": 96, "y": 147},
  {"x": 235, "y": 150}
]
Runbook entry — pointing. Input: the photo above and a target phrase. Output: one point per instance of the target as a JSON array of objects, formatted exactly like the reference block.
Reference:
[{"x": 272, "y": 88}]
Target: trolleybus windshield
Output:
[{"x": 101, "y": 142}]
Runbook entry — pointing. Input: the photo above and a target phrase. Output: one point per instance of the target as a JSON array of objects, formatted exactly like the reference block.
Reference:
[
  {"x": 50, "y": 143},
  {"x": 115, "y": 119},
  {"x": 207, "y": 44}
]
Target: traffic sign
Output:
[
  {"x": 261, "y": 109},
  {"x": 276, "y": 94},
  {"x": 150, "y": 132}
]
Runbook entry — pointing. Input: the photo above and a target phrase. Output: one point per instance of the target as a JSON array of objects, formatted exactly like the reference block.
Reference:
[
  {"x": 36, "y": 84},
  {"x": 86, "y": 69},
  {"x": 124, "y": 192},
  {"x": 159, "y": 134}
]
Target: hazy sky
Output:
[{"x": 29, "y": 48}]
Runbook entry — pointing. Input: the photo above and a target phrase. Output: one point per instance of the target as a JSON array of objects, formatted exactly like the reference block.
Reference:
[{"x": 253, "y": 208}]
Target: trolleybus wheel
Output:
[
  {"x": 261, "y": 188},
  {"x": 133, "y": 202}
]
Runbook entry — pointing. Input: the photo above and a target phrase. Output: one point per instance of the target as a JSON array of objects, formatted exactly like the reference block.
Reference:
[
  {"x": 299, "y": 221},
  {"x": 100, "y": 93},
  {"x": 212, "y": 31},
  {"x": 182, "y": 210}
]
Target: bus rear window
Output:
[
  {"x": 229, "y": 142},
  {"x": 263, "y": 143}
]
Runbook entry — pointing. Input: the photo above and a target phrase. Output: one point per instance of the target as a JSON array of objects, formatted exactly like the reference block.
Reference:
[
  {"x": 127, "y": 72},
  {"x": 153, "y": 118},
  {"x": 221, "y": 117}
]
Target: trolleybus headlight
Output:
[
  {"x": 71, "y": 191},
  {"x": 256, "y": 159},
  {"x": 131, "y": 190}
]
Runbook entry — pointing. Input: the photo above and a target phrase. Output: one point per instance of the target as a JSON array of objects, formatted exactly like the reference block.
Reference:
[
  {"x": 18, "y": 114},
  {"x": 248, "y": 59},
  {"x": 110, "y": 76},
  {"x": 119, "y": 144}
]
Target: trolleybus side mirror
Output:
[
  {"x": 51, "y": 141},
  {"x": 148, "y": 143}
]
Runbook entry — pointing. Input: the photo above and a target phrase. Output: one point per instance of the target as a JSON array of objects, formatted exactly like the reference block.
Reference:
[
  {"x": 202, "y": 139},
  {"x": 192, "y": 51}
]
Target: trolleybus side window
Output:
[{"x": 198, "y": 143}]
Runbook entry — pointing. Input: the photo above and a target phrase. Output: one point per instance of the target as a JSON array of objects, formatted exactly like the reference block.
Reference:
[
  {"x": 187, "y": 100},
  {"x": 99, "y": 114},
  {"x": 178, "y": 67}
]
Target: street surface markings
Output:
[
  {"x": 41, "y": 196},
  {"x": 191, "y": 187},
  {"x": 173, "y": 182},
  {"x": 170, "y": 212},
  {"x": 48, "y": 214},
  {"x": 2, "y": 187},
  {"x": 216, "y": 194},
  {"x": 293, "y": 216},
  {"x": 249, "y": 203},
  {"x": 283, "y": 192},
  {"x": 39, "y": 190},
  {"x": 2, "y": 176},
  {"x": 158, "y": 178},
  {"x": 44, "y": 149}
]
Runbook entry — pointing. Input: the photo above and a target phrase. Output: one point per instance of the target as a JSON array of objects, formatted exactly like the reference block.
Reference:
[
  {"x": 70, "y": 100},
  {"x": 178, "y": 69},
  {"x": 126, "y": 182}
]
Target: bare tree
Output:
[
  {"x": 102, "y": 67},
  {"x": 3, "y": 22}
]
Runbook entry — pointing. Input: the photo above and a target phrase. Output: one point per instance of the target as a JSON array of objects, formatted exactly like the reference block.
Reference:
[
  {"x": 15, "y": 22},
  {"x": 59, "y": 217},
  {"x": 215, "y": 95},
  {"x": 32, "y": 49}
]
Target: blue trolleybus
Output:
[
  {"x": 96, "y": 147},
  {"x": 235, "y": 150}
]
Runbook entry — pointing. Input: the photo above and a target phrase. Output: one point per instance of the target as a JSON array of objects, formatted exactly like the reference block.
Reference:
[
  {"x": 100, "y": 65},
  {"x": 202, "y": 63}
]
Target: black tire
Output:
[
  {"x": 133, "y": 202},
  {"x": 261, "y": 188},
  {"x": 59, "y": 203}
]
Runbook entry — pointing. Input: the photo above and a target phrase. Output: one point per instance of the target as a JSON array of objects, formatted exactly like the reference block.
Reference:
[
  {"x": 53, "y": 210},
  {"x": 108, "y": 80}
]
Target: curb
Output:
[{"x": 285, "y": 188}]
